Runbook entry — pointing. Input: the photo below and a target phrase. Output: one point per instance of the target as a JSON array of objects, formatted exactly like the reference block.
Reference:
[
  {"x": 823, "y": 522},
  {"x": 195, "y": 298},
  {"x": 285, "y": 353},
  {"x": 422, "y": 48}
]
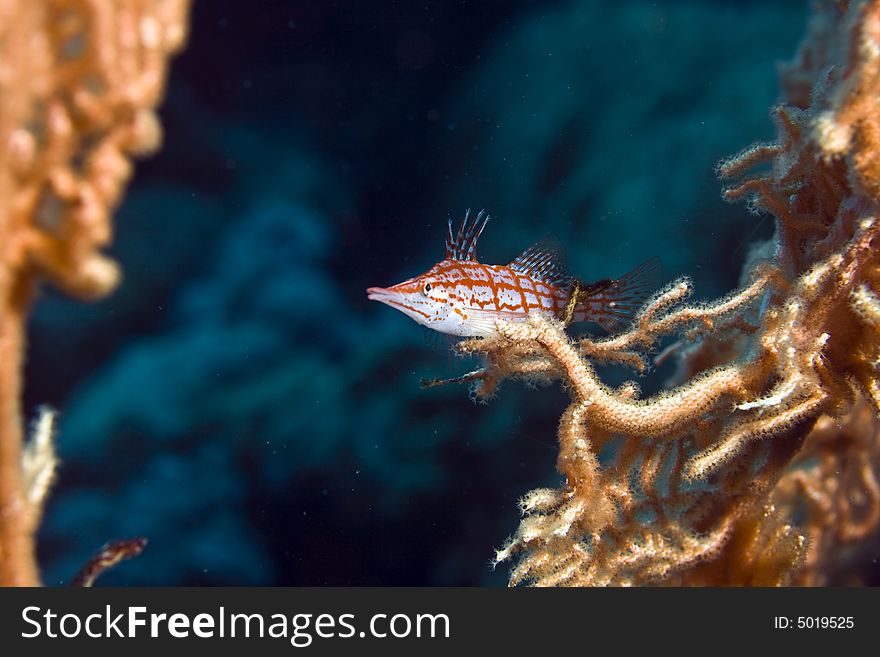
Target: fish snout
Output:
[
  {"x": 378, "y": 293},
  {"x": 389, "y": 296},
  {"x": 385, "y": 295}
]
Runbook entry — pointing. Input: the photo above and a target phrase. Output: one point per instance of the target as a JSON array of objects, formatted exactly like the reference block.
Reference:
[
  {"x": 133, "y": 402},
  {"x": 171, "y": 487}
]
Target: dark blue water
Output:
[{"x": 240, "y": 403}]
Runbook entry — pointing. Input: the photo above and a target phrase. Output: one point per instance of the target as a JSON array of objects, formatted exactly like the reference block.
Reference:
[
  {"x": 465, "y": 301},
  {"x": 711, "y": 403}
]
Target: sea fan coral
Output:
[
  {"x": 761, "y": 462},
  {"x": 79, "y": 82}
]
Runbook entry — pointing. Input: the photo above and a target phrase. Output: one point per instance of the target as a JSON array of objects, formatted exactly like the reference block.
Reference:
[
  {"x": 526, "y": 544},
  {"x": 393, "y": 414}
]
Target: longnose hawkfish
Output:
[{"x": 463, "y": 297}]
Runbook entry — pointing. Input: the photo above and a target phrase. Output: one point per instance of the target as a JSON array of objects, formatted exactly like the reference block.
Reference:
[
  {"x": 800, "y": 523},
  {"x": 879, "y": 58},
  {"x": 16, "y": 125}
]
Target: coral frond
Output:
[
  {"x": 71, "y": 120},
  {"x": 776, "y": 405}
]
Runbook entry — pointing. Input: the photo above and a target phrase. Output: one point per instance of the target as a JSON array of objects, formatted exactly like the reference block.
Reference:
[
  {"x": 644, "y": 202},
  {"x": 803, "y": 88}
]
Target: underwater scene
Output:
[{"x": 455, "y": 293}]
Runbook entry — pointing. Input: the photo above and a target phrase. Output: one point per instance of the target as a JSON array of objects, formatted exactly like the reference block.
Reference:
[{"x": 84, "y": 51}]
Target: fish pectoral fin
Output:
[{"x": 484, "y": 321}]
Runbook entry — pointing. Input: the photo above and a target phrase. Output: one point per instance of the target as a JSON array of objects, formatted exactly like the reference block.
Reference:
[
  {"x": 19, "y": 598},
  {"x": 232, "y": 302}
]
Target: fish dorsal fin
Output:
[
  {"x": 463, "y": 245},
  {"x": 544, "y": 261}
]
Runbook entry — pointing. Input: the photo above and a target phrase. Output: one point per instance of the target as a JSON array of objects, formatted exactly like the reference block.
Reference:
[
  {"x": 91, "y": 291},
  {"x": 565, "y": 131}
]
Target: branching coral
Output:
[
  {"x": 110, "y": 555},
  {"x": 79, "y": 81},
  {"x": 761, "y": 462}
]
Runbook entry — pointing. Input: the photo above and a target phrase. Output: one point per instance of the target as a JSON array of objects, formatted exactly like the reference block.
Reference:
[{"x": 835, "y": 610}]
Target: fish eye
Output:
[{"x": 427, "y": 288}]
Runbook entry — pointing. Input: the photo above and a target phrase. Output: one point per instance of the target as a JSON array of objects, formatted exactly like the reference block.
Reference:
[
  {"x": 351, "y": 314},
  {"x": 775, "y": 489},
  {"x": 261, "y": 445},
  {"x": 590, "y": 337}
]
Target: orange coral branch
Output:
[
  {"x": 17, "y": 559},
  {"x": 777, "y": 405},
  {"x": 79, "y": 80},
  {"x": 110, "y": 555}
]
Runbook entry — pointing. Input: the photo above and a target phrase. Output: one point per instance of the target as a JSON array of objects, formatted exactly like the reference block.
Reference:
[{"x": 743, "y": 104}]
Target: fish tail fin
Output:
[{"x": 615, "y": 306}]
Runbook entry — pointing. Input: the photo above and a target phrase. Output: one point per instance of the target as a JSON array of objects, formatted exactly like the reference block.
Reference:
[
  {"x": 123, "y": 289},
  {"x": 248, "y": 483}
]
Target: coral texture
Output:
[
  {"x": 759, "y": 465},
  {"x": 79, "y": 80}
]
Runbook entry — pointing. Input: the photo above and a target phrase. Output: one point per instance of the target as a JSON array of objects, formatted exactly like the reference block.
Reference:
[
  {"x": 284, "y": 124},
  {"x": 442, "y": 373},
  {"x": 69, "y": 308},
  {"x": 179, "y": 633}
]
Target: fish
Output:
[{"x": 463, "y": 297}]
